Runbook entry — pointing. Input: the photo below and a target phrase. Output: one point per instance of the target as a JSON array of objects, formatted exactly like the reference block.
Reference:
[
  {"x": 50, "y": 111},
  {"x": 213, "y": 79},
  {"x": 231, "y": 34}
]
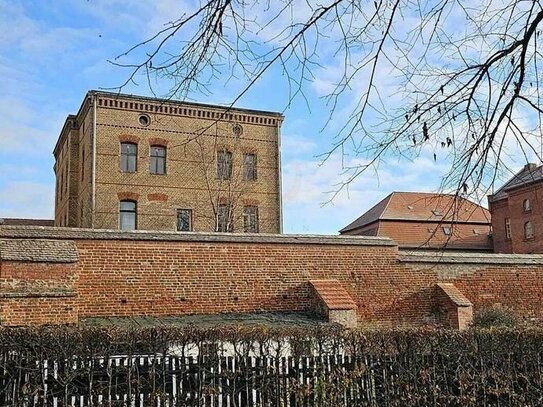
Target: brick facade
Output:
[
  {"x": 89, "y": 185},
  {"x": 512, "y": 209},
  {"x": 160, "y": 274}
]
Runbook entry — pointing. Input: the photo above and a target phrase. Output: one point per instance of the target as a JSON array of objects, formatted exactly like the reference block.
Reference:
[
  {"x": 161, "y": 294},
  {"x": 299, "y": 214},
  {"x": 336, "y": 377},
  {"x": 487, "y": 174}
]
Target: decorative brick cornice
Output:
[
  {"x": 157, "y": 197},
  {"x": 196, "y": 110},
  {"x": 132, "y": 196},
  {"x": 157, "y": 141},
  {"x": 129, "y": 138}
]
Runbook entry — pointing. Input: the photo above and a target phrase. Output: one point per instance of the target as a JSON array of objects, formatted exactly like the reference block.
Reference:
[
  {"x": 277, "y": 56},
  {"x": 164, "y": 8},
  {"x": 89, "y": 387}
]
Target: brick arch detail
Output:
[
  {"x": 129, "y": 138},
  {"x": 158, "y": 141},
  {"x": 251, "y": 202},
  {"x": 224, "y": 147},
  {"x": 124, "y": 196},
  {"x": 223, "y": 200},
  {"x": 250, "y": 150}
]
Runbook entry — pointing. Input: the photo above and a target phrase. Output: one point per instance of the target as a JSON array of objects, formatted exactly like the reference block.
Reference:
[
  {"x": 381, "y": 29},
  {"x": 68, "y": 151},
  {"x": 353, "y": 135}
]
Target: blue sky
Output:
[{"x": 53, "y": 51}]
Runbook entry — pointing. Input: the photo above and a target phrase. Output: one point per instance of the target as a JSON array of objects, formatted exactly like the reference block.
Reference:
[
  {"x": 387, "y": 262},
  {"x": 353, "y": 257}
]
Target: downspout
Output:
[
  {"x": 93, "y": 160},
  {"x": 279, "y": 175}
]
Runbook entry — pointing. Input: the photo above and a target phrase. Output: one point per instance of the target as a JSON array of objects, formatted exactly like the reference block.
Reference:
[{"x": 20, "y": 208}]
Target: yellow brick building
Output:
[{"x": 133, "y": 162}]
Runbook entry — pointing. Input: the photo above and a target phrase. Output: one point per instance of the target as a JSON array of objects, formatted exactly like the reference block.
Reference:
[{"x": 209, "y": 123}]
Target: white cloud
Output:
[
  {"x": 308, "y": 186},
  {"x": 295, "y": 145}
]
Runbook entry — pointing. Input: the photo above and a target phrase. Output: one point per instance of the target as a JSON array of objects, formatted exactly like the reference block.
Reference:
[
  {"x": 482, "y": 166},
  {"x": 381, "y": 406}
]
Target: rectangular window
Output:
[
  {"x": 249, "y": 167},
  {"x": 224, "y": 219},
  {"x": 127, "y": 215},
  {"x": 158, "y": 160},
  {"x": 507, "y": 228},
  {"x": 129, "y": 155},
  {"x": 67, "y": 179},
  {"x": 224, "y": 164},
  {"x": 184, "y": 220},
  {"x": 250, "y": 219},
  {"x": 82, "y": 163}
]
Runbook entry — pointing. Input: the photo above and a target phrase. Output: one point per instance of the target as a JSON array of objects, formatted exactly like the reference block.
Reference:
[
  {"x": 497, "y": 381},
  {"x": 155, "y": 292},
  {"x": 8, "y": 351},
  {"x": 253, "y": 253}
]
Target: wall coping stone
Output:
[
  {"x": 38, "y": 250},
  {"x": 47, "y": 232},
  {"x": 37, "y": 294},
  {"x": 469, "y": 258},
  {"x": 455, "y": 295}
]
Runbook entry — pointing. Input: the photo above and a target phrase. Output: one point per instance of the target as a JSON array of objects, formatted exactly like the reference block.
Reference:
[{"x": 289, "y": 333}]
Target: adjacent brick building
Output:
[
  {"x": 517, "y": 212},
  {"x": 426, "y": 221},
  {"x": 133, "y": 162}
]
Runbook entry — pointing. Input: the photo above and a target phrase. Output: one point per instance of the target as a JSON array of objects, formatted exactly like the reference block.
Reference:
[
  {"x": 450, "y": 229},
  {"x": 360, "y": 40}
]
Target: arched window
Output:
[
  {"x": 527, "y": 205},
  {"x": 127, "y": 215},
  {"x": 528, "y": 230}
]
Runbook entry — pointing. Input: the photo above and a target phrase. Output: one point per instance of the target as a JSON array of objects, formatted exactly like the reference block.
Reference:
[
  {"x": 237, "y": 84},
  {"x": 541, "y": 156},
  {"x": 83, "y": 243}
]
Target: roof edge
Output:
[
  {"x": 93, "y": 92},
  {"x": 63, "y": 233}
]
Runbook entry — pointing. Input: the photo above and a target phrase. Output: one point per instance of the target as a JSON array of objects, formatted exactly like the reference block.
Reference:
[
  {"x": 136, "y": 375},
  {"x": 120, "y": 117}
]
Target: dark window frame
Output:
[
  {"x": 177, "y": 224},
  {"x": 529, "y": 230},
  {"x": 508, "y": 228},
  {"x": 156, "y": 159},
  {"x": 527, "y": 205},
  {"x": 249, "y": 168},
  {"x": 224, "y": 164},
  {"x": 83, "y": 163},
  {"x": 250, "y": 219},
  {"x": 125, "y": 158},
  {"x": 225, "y": 219},
  {"x": 125, "y": 212}
]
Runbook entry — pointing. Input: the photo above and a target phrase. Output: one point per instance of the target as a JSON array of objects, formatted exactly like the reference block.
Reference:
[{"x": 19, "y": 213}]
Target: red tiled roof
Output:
[
  {"x": 431, "y": 235},
  {"x": 332, "y": 293},
  {"x": 423, "y": 207}
]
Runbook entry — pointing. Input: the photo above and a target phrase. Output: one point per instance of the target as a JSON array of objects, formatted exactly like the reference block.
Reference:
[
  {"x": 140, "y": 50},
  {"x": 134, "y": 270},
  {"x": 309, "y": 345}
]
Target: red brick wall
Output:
[
  {"x": 38, "y": 310},
  {"x": 36, "y": 293},
  {"x": 128, "y": 274},
  {"x": 500, "y": 211},
  {"x": 165, "y": 278},
  {"x": 512, "y": 207}
]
